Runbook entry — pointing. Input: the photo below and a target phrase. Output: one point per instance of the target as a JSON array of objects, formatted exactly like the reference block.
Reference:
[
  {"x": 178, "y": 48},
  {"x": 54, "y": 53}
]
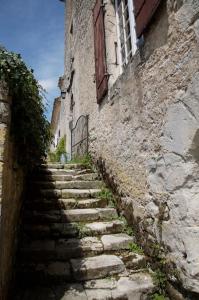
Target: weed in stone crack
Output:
[
  {"x": 106, "y": 194},
  {"x": 135, "y": 248},
  {"x": 126, "y": 228},
  {"x": 82, "y": 231},
  {"x": 158, "y": 297},
  {"x": 85, "y": 161},
  {"x": 159, "y": 279}
]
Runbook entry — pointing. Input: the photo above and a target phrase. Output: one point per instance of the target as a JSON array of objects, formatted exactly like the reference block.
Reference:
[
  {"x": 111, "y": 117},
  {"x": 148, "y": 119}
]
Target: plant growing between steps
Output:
[
  {"x": 29, "y": 126},
  {"x": 82, "y": 232},
  {"x": 135, "y": 248},
  {"x": 86, "y": 161},
  {"x": 158, "y": 297},
  {"x": 106, "y": 194},
  {"x": 126, "y": 228}
]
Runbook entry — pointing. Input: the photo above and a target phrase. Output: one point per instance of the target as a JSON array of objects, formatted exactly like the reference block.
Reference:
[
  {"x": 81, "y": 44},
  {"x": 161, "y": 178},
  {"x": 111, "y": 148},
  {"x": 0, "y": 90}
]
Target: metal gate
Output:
[{"x": 79, "y": 137}]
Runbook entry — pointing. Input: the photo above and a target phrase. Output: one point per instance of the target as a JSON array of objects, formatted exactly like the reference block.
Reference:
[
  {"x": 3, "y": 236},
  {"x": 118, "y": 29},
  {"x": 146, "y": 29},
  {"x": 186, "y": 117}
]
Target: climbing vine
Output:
[{"x": 29, "y": 126}]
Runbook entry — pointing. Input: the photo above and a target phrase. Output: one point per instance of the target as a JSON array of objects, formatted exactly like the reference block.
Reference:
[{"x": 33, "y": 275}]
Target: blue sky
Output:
[{"x": 35, "y": 29}]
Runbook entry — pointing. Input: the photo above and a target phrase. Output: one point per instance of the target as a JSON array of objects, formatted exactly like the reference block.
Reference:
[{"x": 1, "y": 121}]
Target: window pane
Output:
[
  {"x": 120, "y": 10},
  {"x": 126, "y": 14},
  {"x": 125, "y": 2},
  {"x": 127, "y": 29},
  {"x": 123, "y": 54},
  {"x": 129, "y": 45},
  {"x": 122, "y": 38},
  {"x": 121, "y": 25}
]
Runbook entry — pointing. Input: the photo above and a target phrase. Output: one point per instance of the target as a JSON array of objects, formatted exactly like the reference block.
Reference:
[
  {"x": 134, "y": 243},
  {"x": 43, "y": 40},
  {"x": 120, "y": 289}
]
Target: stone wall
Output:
[
  {"x": 146, "y": 131},
  {"x": 11, "y": 184}
]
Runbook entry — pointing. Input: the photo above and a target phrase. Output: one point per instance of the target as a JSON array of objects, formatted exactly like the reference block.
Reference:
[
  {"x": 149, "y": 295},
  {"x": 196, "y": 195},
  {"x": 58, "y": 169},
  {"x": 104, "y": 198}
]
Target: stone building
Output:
[
  {"x": 133, "y": 68},
  {"x": 55, "y": 123}
]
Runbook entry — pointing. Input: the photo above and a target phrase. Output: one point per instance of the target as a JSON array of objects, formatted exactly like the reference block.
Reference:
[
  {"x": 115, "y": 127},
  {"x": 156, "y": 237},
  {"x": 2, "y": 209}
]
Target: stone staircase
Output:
[{"x": 73, "y": 245}]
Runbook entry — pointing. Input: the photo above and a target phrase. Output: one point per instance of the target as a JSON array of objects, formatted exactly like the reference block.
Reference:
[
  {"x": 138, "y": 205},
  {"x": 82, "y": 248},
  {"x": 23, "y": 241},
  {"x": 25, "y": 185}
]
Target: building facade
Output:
[
  {"x": 55, "y": 123},
  {"x": 133, "y": 68}
]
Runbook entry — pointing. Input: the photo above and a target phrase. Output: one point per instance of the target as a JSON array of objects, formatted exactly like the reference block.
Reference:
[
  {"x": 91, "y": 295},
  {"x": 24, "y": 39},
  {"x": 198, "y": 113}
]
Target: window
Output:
[{"x": 126, "y": 30}]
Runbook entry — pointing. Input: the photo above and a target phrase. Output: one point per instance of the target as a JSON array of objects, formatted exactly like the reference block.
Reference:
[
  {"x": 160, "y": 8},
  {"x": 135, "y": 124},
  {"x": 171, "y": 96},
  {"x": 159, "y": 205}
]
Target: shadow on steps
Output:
[{"x": 72, "y": 245}]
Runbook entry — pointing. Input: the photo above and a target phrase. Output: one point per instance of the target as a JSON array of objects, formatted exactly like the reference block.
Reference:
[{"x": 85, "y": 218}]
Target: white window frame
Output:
[{"x": 132, "y": 33}]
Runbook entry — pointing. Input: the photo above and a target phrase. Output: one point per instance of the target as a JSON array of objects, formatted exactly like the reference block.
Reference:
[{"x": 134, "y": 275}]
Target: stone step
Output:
[
  {"x": 61, "y": 249},
  {"x": 65, "y": 193},
  {"x": 114, "y": 242},
  {"x": 64, "y": 249},
  {"x": 96, "y": 267},
  {"x": 75, "y": 166},
  {"x": 132, "y": 260},
  {"x": 57, "y": 230},
  {"x": 77, "y": 193},
  {"x": 133, "y": 287},
  {"x": 43, "y": 273},
  {"x": 52, "y": 166},
  {"x": 73, "y": 184},
  {"x": 71, "y": 215},
  {"x": 68, "y": 177},
  {"x": 44, "y": 171},
  {"x": 54, "y": 204},
  {"x": 62, "y": 166}
]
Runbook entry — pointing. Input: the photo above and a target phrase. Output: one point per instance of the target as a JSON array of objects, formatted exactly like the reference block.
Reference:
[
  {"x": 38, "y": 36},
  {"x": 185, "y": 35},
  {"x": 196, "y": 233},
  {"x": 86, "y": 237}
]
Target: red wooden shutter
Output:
[
  {"x": 144, "y": 10},
  {"x": 100, "y": 51}
]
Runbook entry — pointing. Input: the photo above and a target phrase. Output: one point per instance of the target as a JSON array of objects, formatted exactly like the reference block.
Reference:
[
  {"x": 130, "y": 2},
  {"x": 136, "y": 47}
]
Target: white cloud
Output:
[{"x": 49, "y": 84}]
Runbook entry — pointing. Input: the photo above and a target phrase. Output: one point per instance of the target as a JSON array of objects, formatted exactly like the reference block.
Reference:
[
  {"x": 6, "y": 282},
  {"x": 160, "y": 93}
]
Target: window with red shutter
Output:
[
  {"x": 100, "y": 51},
  {"x": 144, "y": 10}
]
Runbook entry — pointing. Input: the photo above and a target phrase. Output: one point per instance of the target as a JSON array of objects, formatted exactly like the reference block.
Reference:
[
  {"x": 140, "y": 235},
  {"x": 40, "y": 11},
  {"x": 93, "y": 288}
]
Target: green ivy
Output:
[{"x": 29, "y": 126}]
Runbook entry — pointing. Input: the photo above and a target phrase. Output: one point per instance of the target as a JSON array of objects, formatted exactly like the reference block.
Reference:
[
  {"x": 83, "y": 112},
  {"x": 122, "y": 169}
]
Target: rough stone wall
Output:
[
  {"x": 146, "y": 131},
  {"x": 12, "y": 179}
]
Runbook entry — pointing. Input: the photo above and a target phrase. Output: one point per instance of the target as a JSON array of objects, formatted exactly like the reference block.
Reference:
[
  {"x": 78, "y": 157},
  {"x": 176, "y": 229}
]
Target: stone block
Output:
[
  {"x": 116, "y": 241},
  {"x": 96, "y": 267},
  {"x": 5, "y": 113}
]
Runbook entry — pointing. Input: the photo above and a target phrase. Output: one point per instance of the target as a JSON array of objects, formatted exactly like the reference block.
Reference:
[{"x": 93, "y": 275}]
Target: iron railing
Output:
[{"x": 79, "y": 137}]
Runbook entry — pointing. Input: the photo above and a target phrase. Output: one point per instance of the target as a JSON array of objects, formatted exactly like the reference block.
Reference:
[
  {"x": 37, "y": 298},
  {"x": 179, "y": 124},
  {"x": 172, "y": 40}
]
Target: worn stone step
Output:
[
  {"x": 44, "y": 171},
  {"x": 70, "y": 215},
  {"x": 133, "y": 261},
  {"x": 77, "y": 193},
  {"x": 134, "y": 287},
  {"x": 54, "y": 230},
  {"x": 75, "y": 166},
  {"x": 119, "y": 241},
  {"x": 52, "y": 166},
  {"x": 64, "y": 249},
  {"x": 96, "y": 267},
  {"x": 68, "y": 177},
  {"x": 54, "y": 204},
  {"x": 72, "y": 291},
  {"x": 73, "y": 229},
  {"x": 61, "y": 249},
  {"x": 67, "y": 166},
  {"x": 72, "y": 184},
  {"x": 64, "y": 193},
  {"x": 43, "y": 273},
  {"x": 100, "y": 228}
]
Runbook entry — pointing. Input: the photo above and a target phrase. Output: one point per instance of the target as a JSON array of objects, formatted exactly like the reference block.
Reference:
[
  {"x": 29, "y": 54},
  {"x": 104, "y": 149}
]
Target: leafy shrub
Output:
[
  {"x": 60, "y": 150},
  {"x": 29, "y": 126}
]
